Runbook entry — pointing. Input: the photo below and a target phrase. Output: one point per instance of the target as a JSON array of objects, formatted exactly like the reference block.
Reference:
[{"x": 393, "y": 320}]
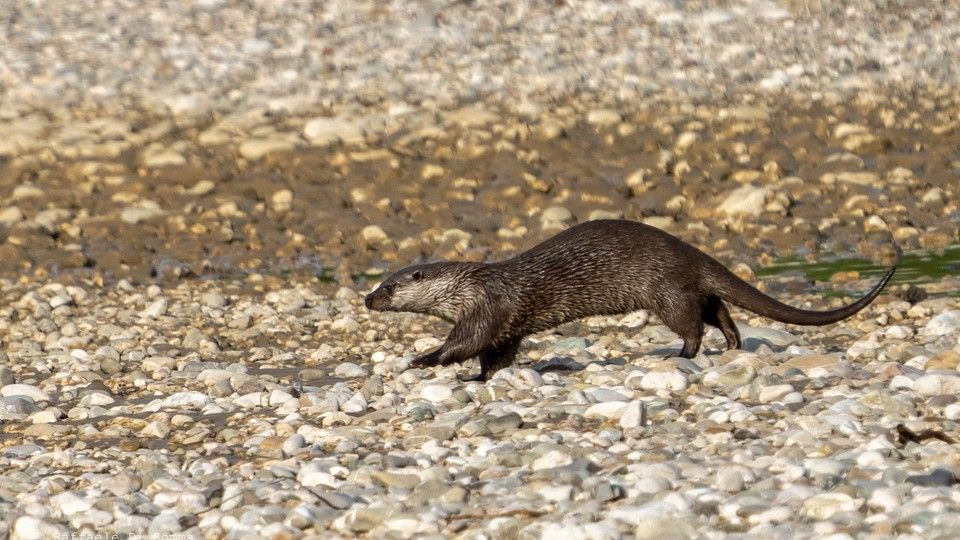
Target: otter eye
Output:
[
  {"x": 389, "y": 287},
  {"x": 417, "y": 275}
]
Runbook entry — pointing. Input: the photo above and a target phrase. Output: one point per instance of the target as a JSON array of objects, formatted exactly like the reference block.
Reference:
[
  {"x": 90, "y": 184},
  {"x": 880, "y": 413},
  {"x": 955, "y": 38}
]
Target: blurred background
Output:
[{"x": 157, "y": 140}]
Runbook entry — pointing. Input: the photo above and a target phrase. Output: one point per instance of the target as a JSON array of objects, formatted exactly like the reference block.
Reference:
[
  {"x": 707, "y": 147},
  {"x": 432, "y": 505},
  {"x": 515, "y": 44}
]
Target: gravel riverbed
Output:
[{"x": 194, "y": 198}]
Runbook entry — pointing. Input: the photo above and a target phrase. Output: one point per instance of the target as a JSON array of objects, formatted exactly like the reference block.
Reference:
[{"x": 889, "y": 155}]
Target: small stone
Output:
[
  {"x": 827, "y": 505},
  {"x": 813, "y": 365},
  {"x": 857, "y": 178},
  {"x": 327, "y": 131},
  {"x": 608, "y": 410},
  {"x": 213, "y": 300},
  {"x": 773, "y": 393},
  {"x": 748, "y": 113},
  {"x": 431, "y": 170},
  {"x": 425, "y": 344},
  {"x": 203, "y": 187},
  {"x": 183, "y": 399},
  {"x": 504, "y": 423},
  {"x": 729, "y": 479},
  {"x": 436, "y": 392},
  {"x": 361, "y": 520},
  {"x": 755, "y": 336},
  {"x": 282, "y": 200},
  {"x": 157, "y": 429},
  {"x": 658, "y": 528},
  {"x": 134, "y": 214},
  {"x": 603, "y": 117},
  {"x": 316, "y": 474},
  {"x": 943, "y": 360},
  {"x": 345, "y": 324},
  {"x": 349, "y": 370},
  {"x": 27, "y": 390},
  {"x": 70, "y": 503},
  {"x": 471, "y": 117},
  {"x": 632, "y": 415},
  {"x": 551, "y": 460},
  {"x": 746, "y": 200},
  {"x": 885, "y": 499},
  {"x": 938, "y": 384},
  {"x": 556, "y": 214},
  {"x": 255, "y": 149},
  {"x": 672, "y": 380},
  {"x": 164, "y": 158},
  {"x": 30, "y": 527},
  {"x": 373, "y": 235},
  {"x": 824, "y": 467},
  {"x": 388, "y": 479},
  {"x": 943, "y": 324},
  {"x": 97, "y": 398},
  {"x": 875, "y": 224},
  {"x": 292, "y": 444},
  {"x": 355, "y": 405},
  {"x": 157, "y": 308},
  {"x": 10, "y": 215}
]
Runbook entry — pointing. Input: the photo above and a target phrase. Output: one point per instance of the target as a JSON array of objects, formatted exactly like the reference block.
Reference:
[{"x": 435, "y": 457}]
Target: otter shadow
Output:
[{"x": 567, "y": 363}]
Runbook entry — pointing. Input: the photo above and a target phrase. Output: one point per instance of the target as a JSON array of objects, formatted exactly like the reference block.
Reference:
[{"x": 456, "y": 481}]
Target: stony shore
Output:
[{"x": 195, "y": 196}]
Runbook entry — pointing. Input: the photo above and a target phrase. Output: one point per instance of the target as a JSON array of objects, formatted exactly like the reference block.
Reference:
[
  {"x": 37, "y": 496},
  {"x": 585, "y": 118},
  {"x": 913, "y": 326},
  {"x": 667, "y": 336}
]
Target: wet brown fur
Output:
[{"x": 603, "y": 267}]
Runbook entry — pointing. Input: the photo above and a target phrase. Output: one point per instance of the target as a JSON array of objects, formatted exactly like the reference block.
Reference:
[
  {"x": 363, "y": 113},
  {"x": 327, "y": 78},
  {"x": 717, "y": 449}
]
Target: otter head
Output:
[
  {"x": 424, "y": 288},
  {"x": 440, "y": 289}
]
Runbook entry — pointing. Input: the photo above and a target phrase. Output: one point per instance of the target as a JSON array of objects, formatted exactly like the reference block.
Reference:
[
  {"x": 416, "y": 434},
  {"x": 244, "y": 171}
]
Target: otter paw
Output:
[{"x": 425, "y": 361}]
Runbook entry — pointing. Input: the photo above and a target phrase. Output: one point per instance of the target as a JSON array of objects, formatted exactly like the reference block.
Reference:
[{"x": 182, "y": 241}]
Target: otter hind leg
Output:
[
  {"x": 495, "y": 358},
  {"x": 715, "y": 313},
  {"x": 686, "y": 320}
]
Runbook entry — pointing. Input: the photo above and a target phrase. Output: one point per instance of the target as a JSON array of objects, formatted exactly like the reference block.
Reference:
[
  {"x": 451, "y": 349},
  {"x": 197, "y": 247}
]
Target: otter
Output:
[{"x": 602, "y": 267}]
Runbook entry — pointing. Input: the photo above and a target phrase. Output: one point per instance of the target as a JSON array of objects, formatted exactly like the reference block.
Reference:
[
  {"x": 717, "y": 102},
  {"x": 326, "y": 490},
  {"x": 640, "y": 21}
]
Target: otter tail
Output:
[{"x": 740, "y": 293}]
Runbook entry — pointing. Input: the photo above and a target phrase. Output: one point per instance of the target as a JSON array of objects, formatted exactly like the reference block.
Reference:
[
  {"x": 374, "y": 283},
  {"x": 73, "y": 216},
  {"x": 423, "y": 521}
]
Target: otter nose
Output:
[{"x": 368, "y": 301}]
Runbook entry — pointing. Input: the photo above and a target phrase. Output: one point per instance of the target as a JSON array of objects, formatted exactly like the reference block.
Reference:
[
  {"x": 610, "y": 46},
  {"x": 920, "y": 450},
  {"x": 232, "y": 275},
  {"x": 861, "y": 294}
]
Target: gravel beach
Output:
[{"x": 195, "y": 196}]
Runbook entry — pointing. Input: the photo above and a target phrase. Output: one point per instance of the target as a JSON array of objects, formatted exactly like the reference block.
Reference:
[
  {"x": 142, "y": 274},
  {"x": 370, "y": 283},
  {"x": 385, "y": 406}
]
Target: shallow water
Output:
[{"x": 917, "y": 267}]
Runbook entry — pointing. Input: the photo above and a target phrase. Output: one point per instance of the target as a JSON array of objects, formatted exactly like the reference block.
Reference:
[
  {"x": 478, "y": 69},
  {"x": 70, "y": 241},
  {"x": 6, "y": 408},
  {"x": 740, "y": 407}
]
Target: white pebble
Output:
[
  {"x": 436, "y": 392},
  {"x": 606, "y": 410},
  {"x": 673, "y": 380},
  {"x": 551, "y": 460},
  {"x": 27, "y": 390},
  {"x": 937, "y": 384}
]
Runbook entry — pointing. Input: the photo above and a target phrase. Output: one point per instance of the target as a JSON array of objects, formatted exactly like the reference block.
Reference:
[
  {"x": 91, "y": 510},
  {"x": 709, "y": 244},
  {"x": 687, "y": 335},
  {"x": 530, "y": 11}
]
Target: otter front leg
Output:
[{"x": 469, "y": 337}]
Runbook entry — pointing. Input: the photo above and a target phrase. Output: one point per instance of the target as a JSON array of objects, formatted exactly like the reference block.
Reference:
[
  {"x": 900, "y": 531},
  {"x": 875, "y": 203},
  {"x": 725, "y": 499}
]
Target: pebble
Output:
[
  {"x": 671, "y": 380},
  {"x": 746, "y": 201},
  {"x": 436, "y": 392},
  {"x": 827, "y": 505},
  {"x": 937, "y": 384},
  {"x": 729, "y": 480},
  {"x": 603, "y": 117},
  {"x": 551, "y": 460},
  {"x": 943, "y": 324},
  {"x": 607, "y": 410},
  {"x": 556, "y": 214},
  {"x": 349, "y": 370},
  {"x": 256, "y": 148},
  {"x": 25, "y": 390},
  {"x": 135, "y": 215}
]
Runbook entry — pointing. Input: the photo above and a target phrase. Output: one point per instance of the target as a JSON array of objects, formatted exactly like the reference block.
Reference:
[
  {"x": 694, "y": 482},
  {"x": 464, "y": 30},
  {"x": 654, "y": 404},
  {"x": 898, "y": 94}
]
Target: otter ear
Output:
[{"x": 417, "y": 275}]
